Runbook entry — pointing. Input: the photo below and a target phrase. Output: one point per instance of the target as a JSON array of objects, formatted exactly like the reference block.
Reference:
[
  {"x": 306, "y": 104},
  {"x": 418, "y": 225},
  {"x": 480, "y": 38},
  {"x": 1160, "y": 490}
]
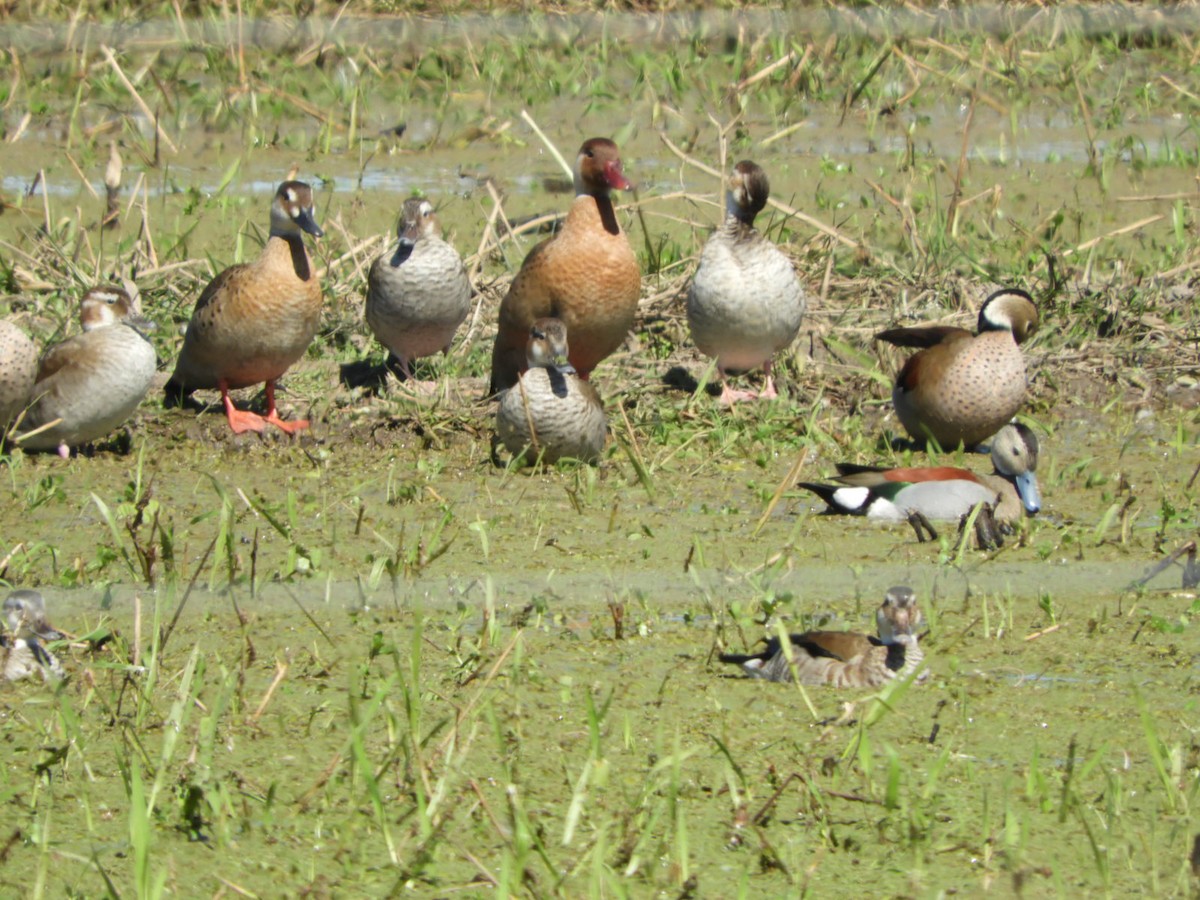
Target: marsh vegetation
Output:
[{"x": 367, "y": 660}]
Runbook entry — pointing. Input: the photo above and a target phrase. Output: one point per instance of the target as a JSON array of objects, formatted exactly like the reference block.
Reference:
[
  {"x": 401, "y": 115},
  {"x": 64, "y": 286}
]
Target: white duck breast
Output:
[
  {"x": 418, "y": 294},
  {"x": 745, "y": 303}
]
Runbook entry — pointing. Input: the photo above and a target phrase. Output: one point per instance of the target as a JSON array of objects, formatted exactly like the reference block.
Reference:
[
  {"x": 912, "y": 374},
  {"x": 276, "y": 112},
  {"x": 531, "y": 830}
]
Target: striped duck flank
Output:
[
  {"x": 961, "y": 388},
  {"x": 418, "y": 295},
  {"x": 254, "y": 320},
  {"x": 845, "y": 659},
  {"x": 586, "y": 275},
  {"x": 90, "y": 384},
  {"x": 551, "y": 413},
  {"x": 745, "y": 303},
  {"x": 942, "y": 492}
]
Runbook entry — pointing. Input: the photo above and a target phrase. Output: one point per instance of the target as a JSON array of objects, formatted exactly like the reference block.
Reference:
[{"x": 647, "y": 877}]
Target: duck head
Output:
[
  {"x": 898, "y": 615},
  {"x": 598, "y": 169},
  {"x": 1009, "y": 309},
  {"x": 748, "y": 191},
  {"x": 106, "y": 305},
  {"x": 25, "y": 612},
  {"x": 417, "y": 220},
  {"x": 292, "y": 211},
  {"x": 1015, "y": 456},
  {"x": 547, "y": 347}
]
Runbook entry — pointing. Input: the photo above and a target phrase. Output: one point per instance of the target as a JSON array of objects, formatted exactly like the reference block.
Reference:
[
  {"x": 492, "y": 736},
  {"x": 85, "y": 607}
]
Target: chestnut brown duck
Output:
[
  {"x": 255, "y": 320},
  {"x": 586, "y": 276}
]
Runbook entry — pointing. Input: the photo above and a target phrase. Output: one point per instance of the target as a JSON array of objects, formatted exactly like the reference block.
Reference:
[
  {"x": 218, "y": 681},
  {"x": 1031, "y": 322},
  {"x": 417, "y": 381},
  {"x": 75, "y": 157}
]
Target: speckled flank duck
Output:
[
  {"x": 551, "y": 411},
  {"x": 21, "y": 650},
  {"x": 418, "y": 295},
  {"x": 846, "y": 659},
  {"x": 745, "y": 303},
  {"x": 962, "y": 388},
  {"x": 90, "y": 384},
  {"x": 254, "y": 320},
  {"x": 942, "y": 492},
  {"x": 586, "y": 275},
  {"x": 18, "y": 371}
]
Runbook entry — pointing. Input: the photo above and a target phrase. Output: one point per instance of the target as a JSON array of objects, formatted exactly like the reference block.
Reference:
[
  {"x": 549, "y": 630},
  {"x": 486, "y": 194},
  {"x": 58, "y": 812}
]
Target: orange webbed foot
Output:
[{"x": 288, "y": 427}]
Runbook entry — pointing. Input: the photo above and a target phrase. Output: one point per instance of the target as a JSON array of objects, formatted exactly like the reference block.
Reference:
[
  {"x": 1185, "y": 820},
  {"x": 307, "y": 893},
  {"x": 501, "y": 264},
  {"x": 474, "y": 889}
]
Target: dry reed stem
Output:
[
  {"x": 767, "y": 71},
  {"x": 137, "y": 98},
  {"x": 528, "y": 120},
  {"x": 281, "y": 670},
  {"x": 1124, "y": 229},
  {"x": 17, "y": 548},
  {"x": 1045, "y": 631},
  {"x": 785, "y": 485},
  {"x": 983, "y": 98}
]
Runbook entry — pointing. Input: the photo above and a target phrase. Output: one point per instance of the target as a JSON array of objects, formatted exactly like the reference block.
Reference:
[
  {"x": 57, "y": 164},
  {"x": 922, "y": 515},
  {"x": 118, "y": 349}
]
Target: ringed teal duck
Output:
[
  {"x": 586, "y": 275},
  {"x": 942, "y": 492},
  {"x": 18, "y": 372},
  {"x": 961, "y": 388},
  {"x": 551, "y": 412},
  {"x": 21, "y": 651},
  {"x": 845, "y": 659},
  {"x": 745, "y": 303},
  {"x": 90, "y": 384},
  {"x": 418, "y": 295},
  {"x": 254, "y": 320}
]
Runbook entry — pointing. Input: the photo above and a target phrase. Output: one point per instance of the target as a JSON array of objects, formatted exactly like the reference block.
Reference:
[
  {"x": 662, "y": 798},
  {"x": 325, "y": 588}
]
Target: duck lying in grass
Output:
[
  {"x": 942, "y": 493},
  {"x": 21, "y": 650},
  {"x": 845, "y": 659}
]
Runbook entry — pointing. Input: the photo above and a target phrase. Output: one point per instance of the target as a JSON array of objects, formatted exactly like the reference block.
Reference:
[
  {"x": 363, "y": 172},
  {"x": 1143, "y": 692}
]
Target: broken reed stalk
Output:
[
  {"x": 528, "y": 120},
  {"x": 137, "y": 98},
  {"x": 112, "y": 188},
  {"x": 784, "y": 486},
  {"x": 960, "y": 173}
]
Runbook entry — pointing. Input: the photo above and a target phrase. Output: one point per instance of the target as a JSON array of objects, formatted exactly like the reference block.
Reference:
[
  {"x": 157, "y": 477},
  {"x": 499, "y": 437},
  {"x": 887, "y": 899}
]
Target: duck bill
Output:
[
  {"x": 403, "y": 251},
  {"x": 1027, "y": 490},
  {"x": 141, "y": 323},
  {"x": 615, "y": 178},
  {"x": 306, "y": 221}
]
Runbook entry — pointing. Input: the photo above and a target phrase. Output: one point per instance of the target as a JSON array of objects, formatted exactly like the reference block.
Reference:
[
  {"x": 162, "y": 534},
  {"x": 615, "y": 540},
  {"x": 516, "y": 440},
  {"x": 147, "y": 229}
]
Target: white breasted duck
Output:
[
  {"x": 551, "y": 413},
  {"x": 745, "y": 303},
  {"x": 90, "y": 384},
  {"x": 418, "y": 295}
]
